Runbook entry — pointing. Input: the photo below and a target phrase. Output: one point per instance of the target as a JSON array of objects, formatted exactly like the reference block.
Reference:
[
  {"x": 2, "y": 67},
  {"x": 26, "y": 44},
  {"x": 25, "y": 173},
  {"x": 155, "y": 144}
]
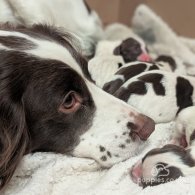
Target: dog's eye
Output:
[
  {"x": 71, "y": 103},
  {"x": 69, "y": 100}
]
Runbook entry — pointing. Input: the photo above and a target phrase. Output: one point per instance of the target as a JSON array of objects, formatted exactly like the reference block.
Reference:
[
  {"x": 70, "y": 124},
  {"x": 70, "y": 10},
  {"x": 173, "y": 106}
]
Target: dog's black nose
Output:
[{"x": 142, "y": 127}]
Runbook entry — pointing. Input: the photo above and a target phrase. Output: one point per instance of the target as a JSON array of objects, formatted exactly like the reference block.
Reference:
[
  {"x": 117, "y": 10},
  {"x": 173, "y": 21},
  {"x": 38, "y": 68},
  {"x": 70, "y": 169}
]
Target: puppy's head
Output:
[
  {"x": 132, "y": 49},
  {"x": 162, "y": 165},
  {"x": 49, "y": 103}
]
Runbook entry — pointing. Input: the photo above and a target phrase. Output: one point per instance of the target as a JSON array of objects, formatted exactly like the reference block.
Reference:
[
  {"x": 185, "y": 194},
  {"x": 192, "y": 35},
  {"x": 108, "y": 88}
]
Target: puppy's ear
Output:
[{"x": 14, "y": 138}]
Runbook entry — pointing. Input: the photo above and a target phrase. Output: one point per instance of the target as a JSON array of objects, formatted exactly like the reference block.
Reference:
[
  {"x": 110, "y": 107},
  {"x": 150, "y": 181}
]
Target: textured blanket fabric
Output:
[{"x": 54, "y": 174}]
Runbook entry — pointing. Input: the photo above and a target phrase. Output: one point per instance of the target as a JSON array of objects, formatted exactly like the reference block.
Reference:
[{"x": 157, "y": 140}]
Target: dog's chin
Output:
[{"x": 106, "y": 153}]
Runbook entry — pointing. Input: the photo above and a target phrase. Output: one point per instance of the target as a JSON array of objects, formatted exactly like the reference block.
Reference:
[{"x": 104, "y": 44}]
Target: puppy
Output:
[
  {"x": 111, "y": 55},
  {"x": 156, "y": 91},
  {"x": 162, "y": 165},
  {"x": 130, "y": 70}
]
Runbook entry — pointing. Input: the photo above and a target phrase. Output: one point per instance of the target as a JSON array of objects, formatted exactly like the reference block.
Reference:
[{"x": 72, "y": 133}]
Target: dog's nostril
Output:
[
  {"x": 142, "y": 127},
  {"x": 132, "y": 126}
]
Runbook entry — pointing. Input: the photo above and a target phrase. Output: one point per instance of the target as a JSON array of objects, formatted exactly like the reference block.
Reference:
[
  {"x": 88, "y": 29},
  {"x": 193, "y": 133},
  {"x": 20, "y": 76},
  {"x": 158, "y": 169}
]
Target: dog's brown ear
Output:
[{"x": 14, "y": 138}]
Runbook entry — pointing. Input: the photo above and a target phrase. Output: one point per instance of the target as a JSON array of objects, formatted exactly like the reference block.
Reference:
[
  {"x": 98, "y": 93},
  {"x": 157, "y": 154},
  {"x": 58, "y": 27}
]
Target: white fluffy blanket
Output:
[{"x": 54, "y": 174}]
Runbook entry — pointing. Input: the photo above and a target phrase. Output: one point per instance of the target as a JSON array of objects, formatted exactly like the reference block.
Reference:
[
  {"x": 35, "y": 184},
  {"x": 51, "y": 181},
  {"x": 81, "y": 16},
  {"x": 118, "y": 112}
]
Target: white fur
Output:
[
  {"x": 70, "y": 15},
  {"x": 158, "y": 107}
]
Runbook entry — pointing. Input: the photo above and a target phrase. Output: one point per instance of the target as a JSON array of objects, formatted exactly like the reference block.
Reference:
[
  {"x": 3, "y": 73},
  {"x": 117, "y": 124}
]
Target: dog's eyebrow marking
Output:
[
  {"x": 18, "y": 43},
  {"x": 169, "y": 60},
  {"x": 65, "y": 39},
  {"x": 136, "y": 87},
  {"x": 155, "y": 80},
  {"x": 184, "y": 91}
]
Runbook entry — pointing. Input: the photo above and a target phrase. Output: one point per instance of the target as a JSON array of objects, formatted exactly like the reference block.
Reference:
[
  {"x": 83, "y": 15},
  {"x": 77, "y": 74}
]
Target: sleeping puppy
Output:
[
  {"x": 115, "y": 51},
  {"x": 131, "y": 46},
  {"x": 133, "y": 69},
  {"x": 155, "y": 92},
  {"x": 127, "y": 72},
  {"x": 111, "y": 55},
  {"x": 48, "y": 102},
  {"x": 162, "y": 165}
]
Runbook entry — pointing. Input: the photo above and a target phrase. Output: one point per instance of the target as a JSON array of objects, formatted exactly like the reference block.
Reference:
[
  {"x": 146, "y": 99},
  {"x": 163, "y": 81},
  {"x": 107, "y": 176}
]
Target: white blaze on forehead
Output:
[{"x": 47, "y": 49}]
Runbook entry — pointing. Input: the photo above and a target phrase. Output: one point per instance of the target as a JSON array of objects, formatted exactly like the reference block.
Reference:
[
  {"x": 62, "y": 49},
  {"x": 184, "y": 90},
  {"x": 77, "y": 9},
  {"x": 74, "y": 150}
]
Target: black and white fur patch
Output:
[
  {"x": 162, "y": 165},
  {"x": 163, "y": 89}
]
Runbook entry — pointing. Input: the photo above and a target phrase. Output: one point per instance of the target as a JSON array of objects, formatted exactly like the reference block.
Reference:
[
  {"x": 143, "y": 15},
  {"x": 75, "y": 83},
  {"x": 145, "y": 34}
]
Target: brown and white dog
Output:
[{"x": 49, "y": 103}]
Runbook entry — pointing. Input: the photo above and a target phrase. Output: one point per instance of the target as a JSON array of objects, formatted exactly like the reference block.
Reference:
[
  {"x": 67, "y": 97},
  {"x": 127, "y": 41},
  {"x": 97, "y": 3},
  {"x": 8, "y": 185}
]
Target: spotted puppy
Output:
[
  {"x": 111, "y": 55},
  {"x": 161, "y": 95},
  {"x": 170, "y": 162},
  {"x": 130, "y": 70}
]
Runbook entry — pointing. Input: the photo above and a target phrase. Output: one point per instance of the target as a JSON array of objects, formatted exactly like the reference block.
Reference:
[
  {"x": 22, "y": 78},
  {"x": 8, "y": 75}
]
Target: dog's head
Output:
[
  {"x": 162, "y": 165},
  {"x": 49, "y": 103}
]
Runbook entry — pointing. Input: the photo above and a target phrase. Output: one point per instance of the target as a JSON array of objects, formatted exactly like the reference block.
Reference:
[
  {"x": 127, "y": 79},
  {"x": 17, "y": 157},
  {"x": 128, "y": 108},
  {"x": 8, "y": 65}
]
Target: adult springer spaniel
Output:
[{"x": 49, "y": 103}]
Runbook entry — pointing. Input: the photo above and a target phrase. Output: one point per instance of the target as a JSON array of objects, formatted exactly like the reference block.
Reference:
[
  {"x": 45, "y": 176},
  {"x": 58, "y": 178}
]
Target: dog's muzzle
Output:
[{"x": 142, "y": 128}]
